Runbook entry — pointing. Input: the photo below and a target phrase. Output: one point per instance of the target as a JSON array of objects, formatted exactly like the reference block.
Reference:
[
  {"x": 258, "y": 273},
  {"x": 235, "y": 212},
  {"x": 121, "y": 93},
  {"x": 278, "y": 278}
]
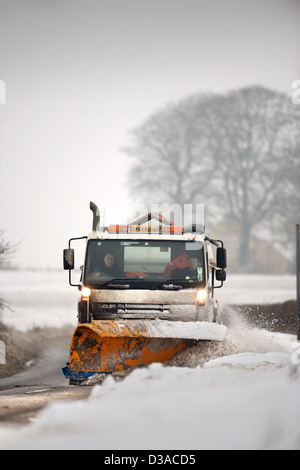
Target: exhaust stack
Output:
[{"x": 96, "y": 216}]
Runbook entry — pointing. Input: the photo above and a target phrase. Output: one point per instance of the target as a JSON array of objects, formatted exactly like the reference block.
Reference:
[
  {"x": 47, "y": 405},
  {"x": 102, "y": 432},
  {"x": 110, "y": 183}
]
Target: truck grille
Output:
[{"x": 122, "y": 310}]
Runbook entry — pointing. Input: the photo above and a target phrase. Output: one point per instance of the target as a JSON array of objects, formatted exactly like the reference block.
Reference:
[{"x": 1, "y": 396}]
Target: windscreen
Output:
[{"x": 137, "y": 262}]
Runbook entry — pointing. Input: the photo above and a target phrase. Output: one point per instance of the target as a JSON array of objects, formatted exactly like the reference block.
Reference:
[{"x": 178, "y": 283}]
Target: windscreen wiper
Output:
[
  {"x": 111, "y": 284},
  {"x": 167, "y": 285}
]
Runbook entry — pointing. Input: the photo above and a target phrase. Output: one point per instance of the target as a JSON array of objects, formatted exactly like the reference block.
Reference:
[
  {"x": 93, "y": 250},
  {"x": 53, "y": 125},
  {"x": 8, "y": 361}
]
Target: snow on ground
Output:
[
  {"x": 45, "y": 298},
  {"x": 38, "y": 299},
  {"x": 245, "y": 400},
  {"x": 256, "y": 289}
]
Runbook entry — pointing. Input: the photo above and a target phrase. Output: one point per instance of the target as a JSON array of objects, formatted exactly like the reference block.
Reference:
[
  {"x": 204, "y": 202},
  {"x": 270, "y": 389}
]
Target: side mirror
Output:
[
  {"x": 221, "y": 275},
  {"x": 69, "y": 259},
  {"x": 221, "y": 258}
]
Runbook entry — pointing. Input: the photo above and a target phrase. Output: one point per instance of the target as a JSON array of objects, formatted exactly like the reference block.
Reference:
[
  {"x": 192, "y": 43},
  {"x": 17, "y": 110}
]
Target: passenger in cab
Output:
[{"x": 190, "y": 272}]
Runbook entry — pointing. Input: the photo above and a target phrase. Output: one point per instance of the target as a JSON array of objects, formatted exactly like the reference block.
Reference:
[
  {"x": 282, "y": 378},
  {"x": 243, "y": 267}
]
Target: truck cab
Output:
[{"x": 139, "y": 271}]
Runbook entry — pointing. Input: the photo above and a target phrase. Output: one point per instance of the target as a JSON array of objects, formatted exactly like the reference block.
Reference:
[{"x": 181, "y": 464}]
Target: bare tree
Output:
[
  {"x": 6, "y": 249},
  {"x": 256, "y": 136},
  {"x": 289, "y": 208},
  {"x": 235, "y": 152},
  {"x": 167, "y": 154}
]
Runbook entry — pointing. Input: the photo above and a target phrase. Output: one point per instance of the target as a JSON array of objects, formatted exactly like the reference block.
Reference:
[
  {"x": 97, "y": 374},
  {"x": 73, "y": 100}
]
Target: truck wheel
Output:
[{"x": 75, "y": 382}]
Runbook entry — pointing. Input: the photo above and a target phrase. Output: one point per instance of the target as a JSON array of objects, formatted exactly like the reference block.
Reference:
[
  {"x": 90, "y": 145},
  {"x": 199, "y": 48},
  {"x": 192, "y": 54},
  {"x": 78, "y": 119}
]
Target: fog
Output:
[{"x": 81, "y": 74}]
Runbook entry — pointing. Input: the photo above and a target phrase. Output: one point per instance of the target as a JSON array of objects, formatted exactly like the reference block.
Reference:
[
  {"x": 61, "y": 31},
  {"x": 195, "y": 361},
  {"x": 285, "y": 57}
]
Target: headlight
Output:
[
  {"x": 85, "y": 292},
  {"x": 201, "y": 296}
]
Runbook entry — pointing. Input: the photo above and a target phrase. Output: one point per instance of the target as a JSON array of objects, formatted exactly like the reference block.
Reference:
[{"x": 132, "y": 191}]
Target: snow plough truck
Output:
[{"x": 146, "y": 293}]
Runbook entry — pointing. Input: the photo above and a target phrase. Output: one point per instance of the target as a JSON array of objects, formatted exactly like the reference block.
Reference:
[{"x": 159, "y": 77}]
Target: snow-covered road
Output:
[
  {"x": 249, "y": 400},
  {"x": 246, "y": 399}
]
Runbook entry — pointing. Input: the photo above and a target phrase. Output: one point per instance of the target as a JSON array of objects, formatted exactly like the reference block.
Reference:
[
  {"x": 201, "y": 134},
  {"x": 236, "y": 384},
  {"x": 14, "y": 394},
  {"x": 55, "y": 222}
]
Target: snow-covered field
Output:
[
  {"x": 38, "y": 299},
  {"x": 44, "y": 298},
  {"x": 247, "y": 399}
]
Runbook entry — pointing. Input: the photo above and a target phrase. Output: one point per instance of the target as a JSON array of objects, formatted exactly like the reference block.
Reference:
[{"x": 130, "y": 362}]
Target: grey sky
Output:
[{"x": 80, "y": 74}]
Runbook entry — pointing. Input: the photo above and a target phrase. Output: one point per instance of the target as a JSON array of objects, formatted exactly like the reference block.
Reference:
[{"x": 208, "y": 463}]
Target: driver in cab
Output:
[{"x": 108, "y": 268}]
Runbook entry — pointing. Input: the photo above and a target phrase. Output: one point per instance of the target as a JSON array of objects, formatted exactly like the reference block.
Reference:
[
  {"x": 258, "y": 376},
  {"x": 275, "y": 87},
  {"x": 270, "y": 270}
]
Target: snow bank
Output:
[
  {"x": 246, "y": 399},
  {"x": 175, "y": 408}
]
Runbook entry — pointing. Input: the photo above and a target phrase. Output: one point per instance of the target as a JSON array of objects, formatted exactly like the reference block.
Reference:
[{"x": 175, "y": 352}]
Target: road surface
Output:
[{"x": 23, "y": 395}]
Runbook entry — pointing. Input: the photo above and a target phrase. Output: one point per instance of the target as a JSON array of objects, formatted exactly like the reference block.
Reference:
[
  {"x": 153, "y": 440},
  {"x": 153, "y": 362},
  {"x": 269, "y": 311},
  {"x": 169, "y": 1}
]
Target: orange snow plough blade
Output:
[{"x": 107, "y": 346}]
